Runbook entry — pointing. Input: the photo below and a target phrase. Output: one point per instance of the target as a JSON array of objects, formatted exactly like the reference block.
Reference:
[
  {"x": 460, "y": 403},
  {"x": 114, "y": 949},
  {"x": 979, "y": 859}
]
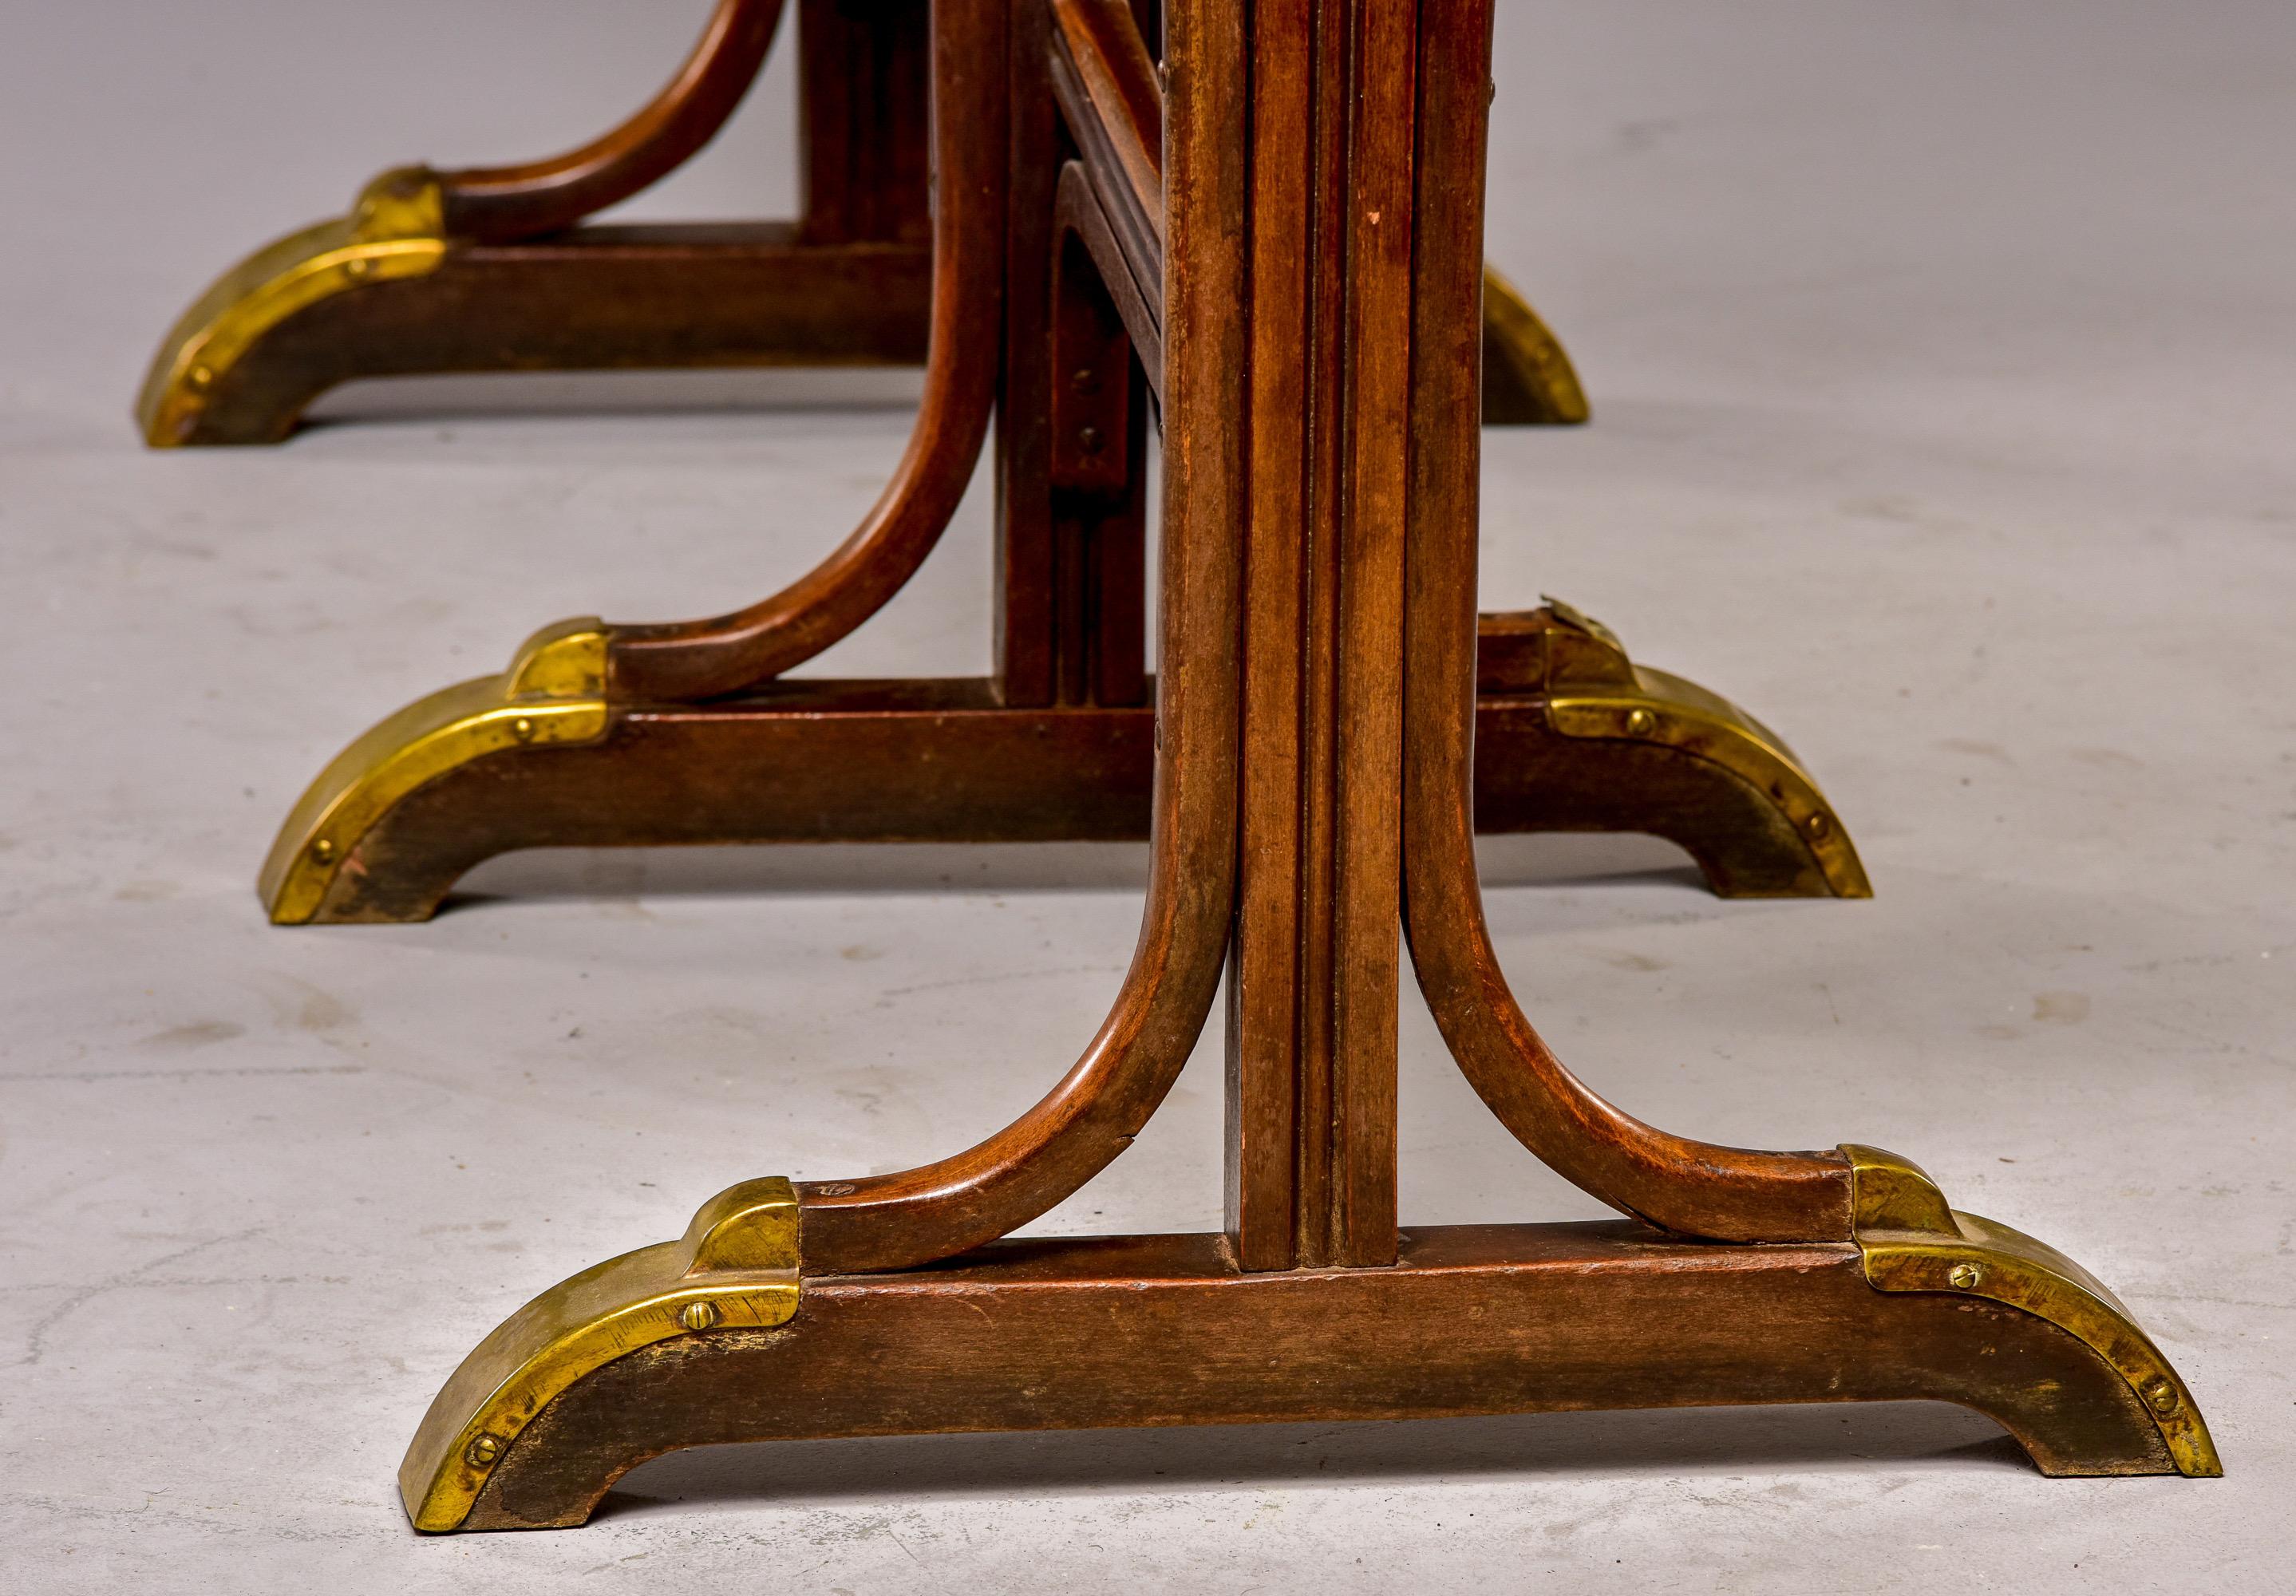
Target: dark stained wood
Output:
[
  {"x": 523, "y": 288},
  {"x": 863, "y": 87},
  {"x": 1028, "y": 591},
  {"x": 1078, "y": 214},
  {"x": 1107, "y": 89},
  {"x": 1311, "y": 1040},
  {"x": 1162, "y": 1329},
  {"x": 1091, "y": 1116},
  {"x": 946, "y": 761},
  {"x": 1278, "y": 1166},
  {"x": 503, "y": 204},
  {"x": 1071, "y": 439},
  {"x": 688, "y": 660},
  {"x": 1312, "y": 744},
  {"x": 1691, "y": 1187},
  {"x": 1099, "y": 489},
  {"x": 652, "y": 297}
]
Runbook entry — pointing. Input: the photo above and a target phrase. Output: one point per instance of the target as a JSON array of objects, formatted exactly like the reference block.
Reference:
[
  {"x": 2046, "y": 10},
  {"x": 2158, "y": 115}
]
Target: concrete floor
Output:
[{"x": 1942, "y": 361}]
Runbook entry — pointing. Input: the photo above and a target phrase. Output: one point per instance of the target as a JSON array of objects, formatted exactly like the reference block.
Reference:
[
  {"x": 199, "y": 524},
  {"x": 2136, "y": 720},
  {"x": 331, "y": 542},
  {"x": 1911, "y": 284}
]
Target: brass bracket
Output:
[
  {"x": 1593, "y": 689},
  {"x": 1912, "y": 1240},
  {"x": 396, "y": 229},
  {"x": 555, "y": 693},
  {"x": 736, "y": 1268}
]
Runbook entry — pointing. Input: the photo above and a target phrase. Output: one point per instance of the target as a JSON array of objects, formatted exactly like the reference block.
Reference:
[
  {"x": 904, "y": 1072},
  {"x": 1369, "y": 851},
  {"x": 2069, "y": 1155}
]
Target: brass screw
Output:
[
  {"x": 481, "y": 1452},
  {"x": 202, "y": 376},
  {"x": 1965, "y": 1276},
  {"x": 1819, "y": 826},
  {"x": 2160, "y": 1393},
  {"x": 522, "y": 728},
  {"x": 1641, "y": 723},
  {"x": 358, "y": 266},
  {"x": 322, "y": 850},
  {"x": 1091, "y": 439},
  {"x": 698, "y": 1315}
]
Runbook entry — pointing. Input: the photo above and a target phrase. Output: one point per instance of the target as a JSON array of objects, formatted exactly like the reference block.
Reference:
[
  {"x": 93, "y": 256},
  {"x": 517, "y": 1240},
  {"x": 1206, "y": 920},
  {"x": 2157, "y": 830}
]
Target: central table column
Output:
[{"x": 1295, "y": 151}]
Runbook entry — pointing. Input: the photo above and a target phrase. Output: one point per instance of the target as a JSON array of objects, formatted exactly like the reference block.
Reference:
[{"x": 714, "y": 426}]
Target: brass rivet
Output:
[
  {"x": 522, "y": 728},
  {"x": 322, "y": 850},
  {"x": 1965, "y": 1276},
  {"x": 1090, "y": 438},
  {"x": 482, "y": 1453},
  {"x": 1818, "y": 826},
  {"x": 1641, "y": 723},
  {"x": 358, "y": 266},
  {"x": 202, "y": 376},
  {"x": 2162, "y": 1394},
  {"x": 698, "y": 1315}
]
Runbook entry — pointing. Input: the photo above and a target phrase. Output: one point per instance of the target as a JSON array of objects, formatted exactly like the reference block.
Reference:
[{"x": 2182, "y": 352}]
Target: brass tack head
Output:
[
  {"x": 358, "y": 266},
  {"x": 1965, "y": 1276},
  {"x": 698, "y": 1315},
  {"x": 482, "y": 1452},
  {"x": 1641, "y": 723},
  {"x": 522, "y": 728},
  {"x": 1091, "y": 439},
  {"x": 2161, "y": 1393},
  {"x": 1819, "y": 826},
  {"x": 322, "y": 850},
  {"x": 202, "y": 376}
]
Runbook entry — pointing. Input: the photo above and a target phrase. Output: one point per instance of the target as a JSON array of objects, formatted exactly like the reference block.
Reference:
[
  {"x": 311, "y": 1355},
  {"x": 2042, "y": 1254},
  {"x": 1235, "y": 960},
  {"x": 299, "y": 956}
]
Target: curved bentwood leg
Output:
[
  {"x": 691, "y": 660},
  {"x": 1312, "y": 789}
]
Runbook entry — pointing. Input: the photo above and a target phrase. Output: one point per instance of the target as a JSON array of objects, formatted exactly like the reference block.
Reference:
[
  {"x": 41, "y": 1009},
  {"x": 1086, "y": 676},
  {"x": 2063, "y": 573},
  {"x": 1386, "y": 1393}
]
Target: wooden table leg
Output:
[{"x": 1322, "y": 215}]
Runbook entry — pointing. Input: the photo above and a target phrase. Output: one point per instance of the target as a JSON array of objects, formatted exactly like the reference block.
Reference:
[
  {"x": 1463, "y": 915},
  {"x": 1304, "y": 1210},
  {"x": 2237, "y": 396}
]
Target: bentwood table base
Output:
[{"x": 1285, "y": 229}]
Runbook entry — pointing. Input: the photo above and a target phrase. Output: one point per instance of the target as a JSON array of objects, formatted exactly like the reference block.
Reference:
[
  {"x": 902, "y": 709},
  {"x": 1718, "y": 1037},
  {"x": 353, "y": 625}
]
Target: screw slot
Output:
[
  {"x": 1965, "y": 1276},
  {"x": 481, "y": 1452},
  {"x": 2160, "y": 1393},
  {"x": 698, "y": 1315}
]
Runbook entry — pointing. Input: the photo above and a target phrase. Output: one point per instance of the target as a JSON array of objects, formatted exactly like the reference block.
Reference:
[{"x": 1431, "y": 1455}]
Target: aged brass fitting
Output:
[
  {"x": 1911, "y": 1240},
  {"x": 1593, "y": 689},
  {"x": 552, "y": 695},
  {"x": 737, "y": 1265},
  {"x": 396, "y": 229}
]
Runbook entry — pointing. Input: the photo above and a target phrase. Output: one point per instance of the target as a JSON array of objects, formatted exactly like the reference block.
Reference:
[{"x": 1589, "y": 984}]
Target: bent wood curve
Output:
[
  {"x": 896, "y": 1220},
  {"x": 1689, "y": 1187},
  {"x": 503, "y": 204},
  {"x": 680, "y": 662}
]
